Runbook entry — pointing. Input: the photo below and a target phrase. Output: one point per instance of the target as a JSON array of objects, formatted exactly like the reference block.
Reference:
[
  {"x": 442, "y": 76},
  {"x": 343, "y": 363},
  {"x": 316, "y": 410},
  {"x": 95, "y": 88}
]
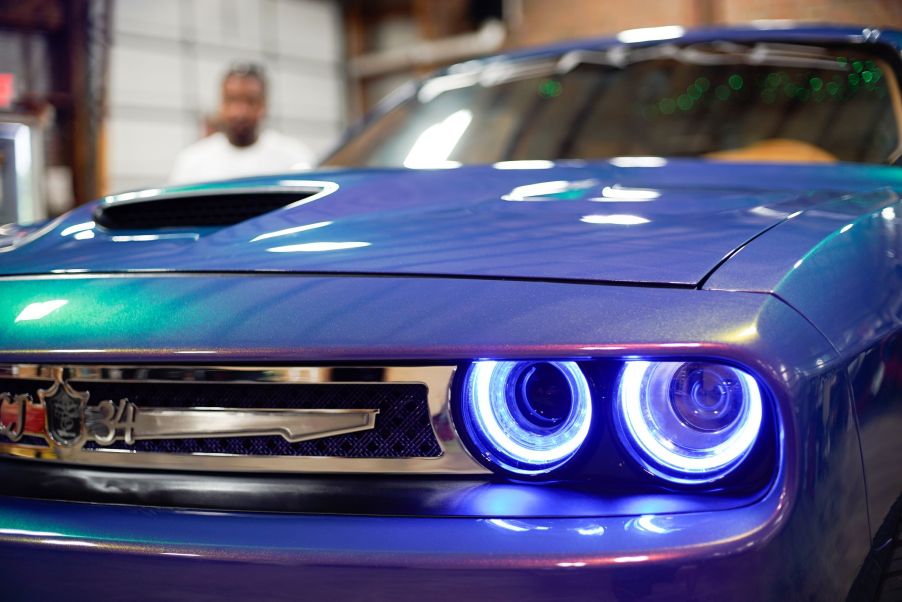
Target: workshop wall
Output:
[{"x": 167, "y": 60}]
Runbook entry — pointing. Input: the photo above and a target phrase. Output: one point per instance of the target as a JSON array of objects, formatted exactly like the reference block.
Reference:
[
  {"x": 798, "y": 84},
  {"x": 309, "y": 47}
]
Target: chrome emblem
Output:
[
  {"x": 62, "y": 416},
  {"x": 64, "y": 409}
]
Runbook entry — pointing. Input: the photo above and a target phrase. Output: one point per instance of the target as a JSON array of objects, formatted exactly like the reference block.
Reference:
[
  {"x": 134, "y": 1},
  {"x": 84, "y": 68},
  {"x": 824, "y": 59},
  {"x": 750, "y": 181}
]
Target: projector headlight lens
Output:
[
  {"x": 688, "y": 422},
  {"x": 526, "y": 417}
]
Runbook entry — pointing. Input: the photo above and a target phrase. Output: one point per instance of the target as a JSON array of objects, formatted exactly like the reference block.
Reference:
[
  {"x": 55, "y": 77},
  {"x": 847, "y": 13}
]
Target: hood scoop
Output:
[{"x": 193, "y": 208}]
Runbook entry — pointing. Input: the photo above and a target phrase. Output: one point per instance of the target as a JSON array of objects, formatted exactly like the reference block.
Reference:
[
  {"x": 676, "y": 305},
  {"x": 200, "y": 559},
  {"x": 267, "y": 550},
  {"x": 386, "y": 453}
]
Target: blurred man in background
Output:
[{"x": 240, "y": 148}]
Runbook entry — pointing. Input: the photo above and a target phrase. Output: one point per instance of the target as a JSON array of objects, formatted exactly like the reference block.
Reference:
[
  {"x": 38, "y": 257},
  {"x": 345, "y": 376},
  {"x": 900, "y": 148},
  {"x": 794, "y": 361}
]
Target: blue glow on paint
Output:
[
  {"x": 506, "y": 437},
  {"x": 685, "y": 449}
]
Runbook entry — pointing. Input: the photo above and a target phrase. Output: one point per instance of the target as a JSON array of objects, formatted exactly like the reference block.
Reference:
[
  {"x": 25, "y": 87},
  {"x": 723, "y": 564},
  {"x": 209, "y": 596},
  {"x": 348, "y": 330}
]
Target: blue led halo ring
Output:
[
  {"x": 652, "y": 426},
  {"x": 507, "y": 437}
]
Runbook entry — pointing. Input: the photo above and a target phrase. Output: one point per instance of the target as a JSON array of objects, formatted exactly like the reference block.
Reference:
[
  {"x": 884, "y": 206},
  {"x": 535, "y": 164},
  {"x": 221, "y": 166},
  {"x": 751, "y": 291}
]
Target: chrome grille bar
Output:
[{"x": 134, "y": 420}]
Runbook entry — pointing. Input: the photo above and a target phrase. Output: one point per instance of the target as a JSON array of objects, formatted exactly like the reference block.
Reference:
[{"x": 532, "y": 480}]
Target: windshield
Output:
[{"x": 725, "y": 101}]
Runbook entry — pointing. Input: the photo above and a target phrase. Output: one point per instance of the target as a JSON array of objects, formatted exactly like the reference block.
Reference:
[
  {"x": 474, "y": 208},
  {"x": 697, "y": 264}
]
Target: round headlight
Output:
[
  {"x": 688, "y": 422},
  {"x": 526, "y": 417}
]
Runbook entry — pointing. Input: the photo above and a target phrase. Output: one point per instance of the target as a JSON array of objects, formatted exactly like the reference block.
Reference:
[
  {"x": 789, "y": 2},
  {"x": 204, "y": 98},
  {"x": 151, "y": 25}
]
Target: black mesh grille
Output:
[
  {"x": 191, "y": 211},
  {"x": 402, "y": 427}
]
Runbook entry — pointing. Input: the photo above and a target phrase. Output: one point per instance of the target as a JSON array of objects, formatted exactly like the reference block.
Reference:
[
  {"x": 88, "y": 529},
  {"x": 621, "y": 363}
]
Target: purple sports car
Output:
[{"x": 613, "y": 320}]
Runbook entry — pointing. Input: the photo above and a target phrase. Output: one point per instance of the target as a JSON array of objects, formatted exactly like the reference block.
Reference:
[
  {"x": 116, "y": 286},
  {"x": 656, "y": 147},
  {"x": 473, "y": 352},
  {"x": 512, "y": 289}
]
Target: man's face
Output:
[{"x": 242, "y": 110}]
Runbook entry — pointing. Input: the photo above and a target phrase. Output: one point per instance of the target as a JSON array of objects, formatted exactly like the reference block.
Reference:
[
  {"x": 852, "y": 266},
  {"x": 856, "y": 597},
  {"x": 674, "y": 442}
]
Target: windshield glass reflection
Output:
[{"x": 721, "y": 100}]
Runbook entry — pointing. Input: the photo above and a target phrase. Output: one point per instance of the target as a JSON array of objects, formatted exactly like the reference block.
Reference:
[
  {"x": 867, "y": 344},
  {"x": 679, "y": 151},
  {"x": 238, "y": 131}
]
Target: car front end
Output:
[{"x": 637, "y": 377}]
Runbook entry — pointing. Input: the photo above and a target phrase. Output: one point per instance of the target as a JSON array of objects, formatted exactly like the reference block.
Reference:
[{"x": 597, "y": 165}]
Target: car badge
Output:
[
  {"x": 61, "y": 415},
  {"x": 64, "y": 411}
]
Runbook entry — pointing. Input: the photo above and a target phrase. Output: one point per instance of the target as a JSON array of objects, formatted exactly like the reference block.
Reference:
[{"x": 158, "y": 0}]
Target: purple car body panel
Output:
[{"x": 413, "y": 222}]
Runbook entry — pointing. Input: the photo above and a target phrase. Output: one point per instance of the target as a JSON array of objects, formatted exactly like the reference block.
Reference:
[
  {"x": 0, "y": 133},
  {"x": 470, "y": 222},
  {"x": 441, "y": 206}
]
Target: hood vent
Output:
[{"x": 207, "y": 208}]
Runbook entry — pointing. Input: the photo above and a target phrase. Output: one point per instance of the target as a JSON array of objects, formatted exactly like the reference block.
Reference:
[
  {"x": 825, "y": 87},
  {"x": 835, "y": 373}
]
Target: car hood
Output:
[{"x": 626, "y": 220}]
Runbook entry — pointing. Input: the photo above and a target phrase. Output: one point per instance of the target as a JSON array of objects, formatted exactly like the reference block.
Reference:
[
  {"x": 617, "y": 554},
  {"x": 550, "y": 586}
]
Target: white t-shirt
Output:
[{"x": 215, "y": 158}]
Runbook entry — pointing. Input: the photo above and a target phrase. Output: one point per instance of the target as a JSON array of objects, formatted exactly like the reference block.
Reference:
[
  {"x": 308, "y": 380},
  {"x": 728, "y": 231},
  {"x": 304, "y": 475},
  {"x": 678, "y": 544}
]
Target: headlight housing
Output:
[
  {"x": 526, "y": 417},
  {"x": 620, "y": 425},
  {"x": 688, "y": 422}
]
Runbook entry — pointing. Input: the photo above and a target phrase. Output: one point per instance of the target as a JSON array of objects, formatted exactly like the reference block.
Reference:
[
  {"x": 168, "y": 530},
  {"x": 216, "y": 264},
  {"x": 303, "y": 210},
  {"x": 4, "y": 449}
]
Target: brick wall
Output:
[
  {"x": 881, "y": 13},
  {"x": 550, "y": 20}
]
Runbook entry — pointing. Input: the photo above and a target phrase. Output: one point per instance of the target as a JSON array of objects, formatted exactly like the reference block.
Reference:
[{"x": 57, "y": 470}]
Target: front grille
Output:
[
  {"x": 302, "y": 419},
  {"x": 402, "y": 430}
]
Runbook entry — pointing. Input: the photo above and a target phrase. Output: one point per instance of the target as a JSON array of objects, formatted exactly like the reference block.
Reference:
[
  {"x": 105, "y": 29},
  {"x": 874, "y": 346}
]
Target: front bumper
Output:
[
  {"x": 763, "y": 551},
  {"x": 806, "y": 539}
]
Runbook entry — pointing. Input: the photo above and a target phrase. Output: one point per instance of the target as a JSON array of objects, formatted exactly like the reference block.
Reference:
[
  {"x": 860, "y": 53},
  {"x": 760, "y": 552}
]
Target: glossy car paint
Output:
[
  {"x": 691, "y": 294},
  {"x": 845, "y": 254},
  {"x": 575, "y": 222},
  {"x": 820, "y": 490}
]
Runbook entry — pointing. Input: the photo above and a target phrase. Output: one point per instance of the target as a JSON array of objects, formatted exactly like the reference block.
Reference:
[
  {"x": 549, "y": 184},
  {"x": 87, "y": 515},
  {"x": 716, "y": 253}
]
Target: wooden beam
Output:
[
  {"x": 35, "y": 15},
  {"x": 355, "y": 34},
  {"x": 82, "y": 149},
  {"x": 705, "y": 13}
]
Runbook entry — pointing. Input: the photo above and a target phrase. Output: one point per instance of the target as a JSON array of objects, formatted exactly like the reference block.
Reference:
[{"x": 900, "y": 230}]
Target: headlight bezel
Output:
[
  {"x": 635, "y": 418},
  {"x": 499, "y": 452},
  {"x": 607, "y": 462}
]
